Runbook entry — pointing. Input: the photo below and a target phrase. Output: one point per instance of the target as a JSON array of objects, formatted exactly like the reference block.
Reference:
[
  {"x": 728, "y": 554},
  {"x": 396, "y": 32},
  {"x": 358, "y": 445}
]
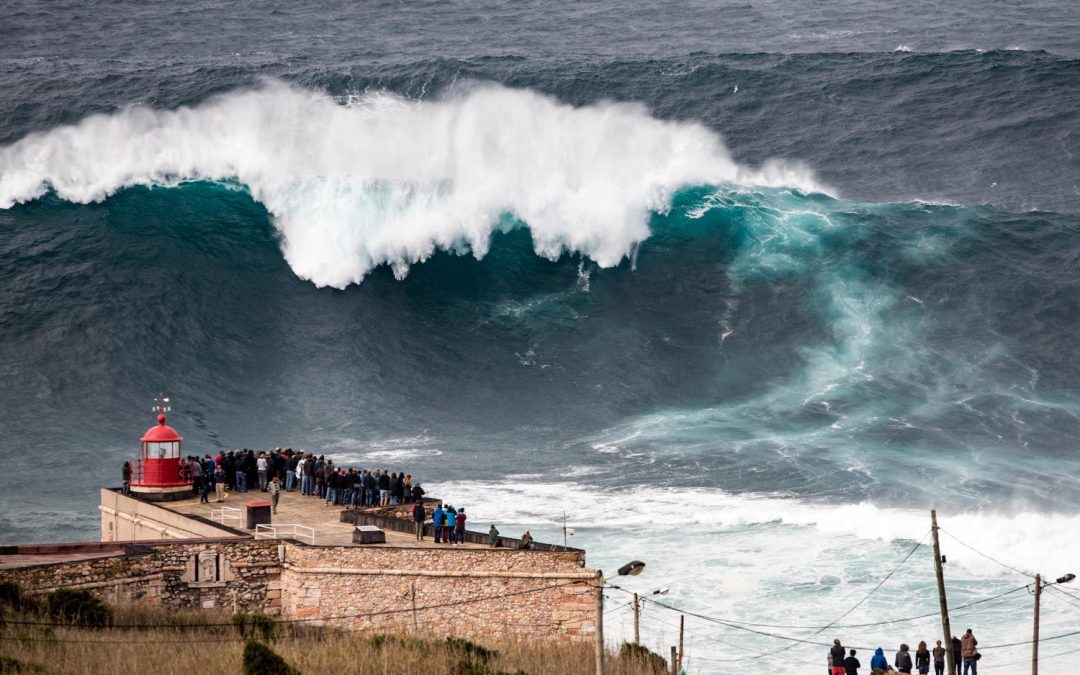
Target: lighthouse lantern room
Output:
[{"x": 159, "y": 474}]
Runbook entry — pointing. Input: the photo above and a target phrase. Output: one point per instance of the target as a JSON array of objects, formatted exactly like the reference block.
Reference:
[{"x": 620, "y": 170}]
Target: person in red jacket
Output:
[{"x": 459, "y": 527}]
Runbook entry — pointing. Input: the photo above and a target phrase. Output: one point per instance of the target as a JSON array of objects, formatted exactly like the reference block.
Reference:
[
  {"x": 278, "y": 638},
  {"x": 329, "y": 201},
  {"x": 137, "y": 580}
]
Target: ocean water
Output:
[{"x": 740, "y": 290}]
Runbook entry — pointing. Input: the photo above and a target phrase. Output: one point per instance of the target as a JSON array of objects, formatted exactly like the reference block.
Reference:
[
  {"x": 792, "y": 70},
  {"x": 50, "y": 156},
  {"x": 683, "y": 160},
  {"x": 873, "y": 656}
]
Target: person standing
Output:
[
  {"x": 851, "y": 664},
  {"x": 970, "y": 654},
  {"x": 459, "y": 527},
  {"x": 957, "y": 659},
  {"x": 922, "y": 659},
  {"x": 262, "y": 466},
  {"x": 126, "y": 474},
  {"x": 837, "y": 660},
  {"x": 878, "y": 660},
  {"x": 939, "y": 659},
  {"x": 418, "y": 518},
  {"x": 437, "y": 522},
  {"x": 493, "y": 536},
  {"x": 205, "y": 482},
  {"x": 903, "y": 660},
  {"x": 219, "y": 483},
  {"x": 290, "y": 473},
  {"x": 274, "y": 490}
]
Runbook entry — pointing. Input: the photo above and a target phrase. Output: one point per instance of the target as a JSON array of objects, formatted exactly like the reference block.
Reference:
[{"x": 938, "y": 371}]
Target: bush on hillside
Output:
[
  {"x": 254, "y": 625},
  {"x": 76, "y": 608},
  {"x": 633, "y": 652},
  {"x": 261, "y": 660}
]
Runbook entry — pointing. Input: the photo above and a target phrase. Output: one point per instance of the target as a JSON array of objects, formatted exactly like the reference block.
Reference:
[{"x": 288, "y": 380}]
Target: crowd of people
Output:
[
  {"x": 283, "y": 469},
  {"x": 965, "y": 654}
]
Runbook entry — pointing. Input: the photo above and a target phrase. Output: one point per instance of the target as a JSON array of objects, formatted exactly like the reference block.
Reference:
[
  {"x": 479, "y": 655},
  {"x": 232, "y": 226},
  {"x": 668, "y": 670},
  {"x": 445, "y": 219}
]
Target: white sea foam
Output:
[
  {"x": 792, "y": 562},
  {"x": 382, "y": 180}
]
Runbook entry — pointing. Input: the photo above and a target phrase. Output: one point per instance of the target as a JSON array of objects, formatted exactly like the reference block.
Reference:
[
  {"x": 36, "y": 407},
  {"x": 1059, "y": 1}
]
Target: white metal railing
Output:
[
  {"x": 298, "y": 532},
  {"x": 225, "y": 513}
]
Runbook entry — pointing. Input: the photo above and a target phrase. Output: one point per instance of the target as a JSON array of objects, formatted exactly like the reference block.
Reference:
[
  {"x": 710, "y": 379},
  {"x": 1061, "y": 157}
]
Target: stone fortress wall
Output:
[{"x": 167, "y": 559}]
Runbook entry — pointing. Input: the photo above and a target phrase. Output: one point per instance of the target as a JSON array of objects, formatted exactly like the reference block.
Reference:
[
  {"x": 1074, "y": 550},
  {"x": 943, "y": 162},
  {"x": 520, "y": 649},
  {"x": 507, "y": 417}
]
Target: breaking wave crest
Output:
[{"x": 382, "y": 180}]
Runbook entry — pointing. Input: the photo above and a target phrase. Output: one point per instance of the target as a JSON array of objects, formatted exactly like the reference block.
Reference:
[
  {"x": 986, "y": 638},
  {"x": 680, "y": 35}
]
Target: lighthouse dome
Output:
[{"x": 162, "y": 433}]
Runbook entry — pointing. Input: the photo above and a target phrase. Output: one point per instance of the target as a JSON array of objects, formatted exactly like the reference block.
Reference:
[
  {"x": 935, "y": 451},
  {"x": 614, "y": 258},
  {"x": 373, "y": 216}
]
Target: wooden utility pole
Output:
[
  {"x": 599, "y": 623},
  {"x": 637, "y": 620},
  {"x": 1035, "y": 634},
  {"x": 949, "y": 657},
  {"x": 674, "y": 660},
  {"x": 682, "y": 626}
]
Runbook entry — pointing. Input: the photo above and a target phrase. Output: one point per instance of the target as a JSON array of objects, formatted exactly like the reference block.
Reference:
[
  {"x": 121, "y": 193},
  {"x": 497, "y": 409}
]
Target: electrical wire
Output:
[
  {"x": 849, "y": 611},
  {"x": 988, "y": 557}
]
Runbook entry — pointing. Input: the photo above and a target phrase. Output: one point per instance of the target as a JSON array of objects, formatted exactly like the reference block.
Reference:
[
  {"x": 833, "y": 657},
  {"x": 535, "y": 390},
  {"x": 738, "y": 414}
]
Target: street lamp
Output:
[
  {"x": 637, "y": 613},
  {"x": 630, "y": 569},
  {"x": 1039, "y": 585}
]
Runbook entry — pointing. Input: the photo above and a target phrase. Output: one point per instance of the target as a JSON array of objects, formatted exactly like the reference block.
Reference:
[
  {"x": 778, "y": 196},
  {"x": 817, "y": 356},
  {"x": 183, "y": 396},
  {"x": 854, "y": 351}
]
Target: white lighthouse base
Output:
[{"x": 162, "y": 493}]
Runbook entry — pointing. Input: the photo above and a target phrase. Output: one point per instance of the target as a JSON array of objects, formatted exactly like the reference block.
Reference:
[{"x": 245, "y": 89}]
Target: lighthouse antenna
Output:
[{"x": 161, "y": 404}]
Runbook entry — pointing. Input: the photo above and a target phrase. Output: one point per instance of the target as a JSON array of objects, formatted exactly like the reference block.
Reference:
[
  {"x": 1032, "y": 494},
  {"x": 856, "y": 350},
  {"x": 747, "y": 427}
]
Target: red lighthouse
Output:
[{"x": 159, "y": 473}]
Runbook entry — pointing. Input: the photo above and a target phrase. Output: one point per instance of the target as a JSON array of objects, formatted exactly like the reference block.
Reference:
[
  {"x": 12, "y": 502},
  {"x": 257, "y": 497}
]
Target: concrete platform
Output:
[{"x": 297, "y": 509}]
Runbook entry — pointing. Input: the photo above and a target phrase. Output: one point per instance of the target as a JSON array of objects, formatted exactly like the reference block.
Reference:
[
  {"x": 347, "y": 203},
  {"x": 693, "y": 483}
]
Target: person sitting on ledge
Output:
[
  {"x": 493, "y": 536},
  {"x": 526, "y": 540}
]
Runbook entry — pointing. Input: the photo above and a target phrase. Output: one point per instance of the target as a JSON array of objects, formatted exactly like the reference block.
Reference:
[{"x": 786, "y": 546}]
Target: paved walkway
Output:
[{"x": 296, "y": 509}]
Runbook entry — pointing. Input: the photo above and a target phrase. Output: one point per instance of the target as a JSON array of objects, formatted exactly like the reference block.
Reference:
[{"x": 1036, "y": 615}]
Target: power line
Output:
[
  {"x": 881, "y": 623},
  {"x": 853, "y": 607},
  {"x": 988, "y": 557}
]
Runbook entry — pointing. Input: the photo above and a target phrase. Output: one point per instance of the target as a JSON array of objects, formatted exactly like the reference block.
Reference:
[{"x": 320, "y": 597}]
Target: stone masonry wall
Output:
[
  {"x": 435, "y": 592},
  {"x": 234, "y": 576},
  {"x": 470, "y": 593}
]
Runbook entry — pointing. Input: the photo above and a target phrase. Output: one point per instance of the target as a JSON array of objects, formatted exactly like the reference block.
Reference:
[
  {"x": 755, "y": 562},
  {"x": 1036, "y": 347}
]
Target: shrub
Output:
[
  {"x": 76, "y": 608},
  {"x": 251, "y": 625},
  {"x": 10, "y": 665},
  {"x": 637, "y": 653},
  {"x": 261, "y": 660},
  {"x": 471, "y": 649}
]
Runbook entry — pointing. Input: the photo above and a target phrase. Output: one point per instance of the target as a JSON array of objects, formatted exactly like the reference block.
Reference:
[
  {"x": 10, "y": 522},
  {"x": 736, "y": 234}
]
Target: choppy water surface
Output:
[{"x": 743, "y": 290}]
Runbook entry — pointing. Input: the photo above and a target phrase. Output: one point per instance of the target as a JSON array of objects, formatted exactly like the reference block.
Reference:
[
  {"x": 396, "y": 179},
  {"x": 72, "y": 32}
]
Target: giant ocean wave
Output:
[{"x": 385, "y": 180}]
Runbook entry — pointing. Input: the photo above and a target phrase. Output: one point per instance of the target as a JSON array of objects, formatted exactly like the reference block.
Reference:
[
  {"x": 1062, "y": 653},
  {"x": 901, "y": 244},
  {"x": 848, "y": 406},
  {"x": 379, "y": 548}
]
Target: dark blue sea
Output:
[{"x": 742, "y": 289}]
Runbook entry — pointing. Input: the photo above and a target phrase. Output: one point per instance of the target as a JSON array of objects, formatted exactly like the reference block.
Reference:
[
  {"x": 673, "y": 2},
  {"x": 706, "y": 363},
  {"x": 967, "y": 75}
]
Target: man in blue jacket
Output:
[
  {"x": 437, "y": 520},
  {"x": 879, "y": 662}
]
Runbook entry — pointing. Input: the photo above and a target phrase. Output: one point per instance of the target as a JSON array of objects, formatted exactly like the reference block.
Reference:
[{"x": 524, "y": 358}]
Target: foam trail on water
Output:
[{"x": 382, "y": 180}]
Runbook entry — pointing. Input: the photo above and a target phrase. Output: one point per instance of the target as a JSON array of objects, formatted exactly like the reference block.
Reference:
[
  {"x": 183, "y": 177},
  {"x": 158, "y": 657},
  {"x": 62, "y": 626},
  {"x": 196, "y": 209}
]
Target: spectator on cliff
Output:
[
  {"x": 205, "y": 483},
  {"x": 878, "y": 661},
  {"x": 957, "y": 658},
  {"x": 262, "y": 468},
  {"x": 397, "y": 489},
  {"x": 527, "y": 540},
  {"x": 851, "y": 664},
  {"x": 939, "y": 659},
  {"x": 239, "y": 481},
  {"x": 125, "y": 473},
  {"x": 903, "y": 659},
  {"x": 450, "y": 524},
  {"x": 290, "y": 473},
  {"x": 418, "y": 517},
  {"x": 208, "y": 465},
  {"x": 459, "y": 527},
  {"x": 437, "y": 522},
  {"x": 195, "y": 471},
  {"x": 836, "y": 658},
  {"x": 922, "y": 659},
  {"x": 273, "y": 488},
  {"x": 407, "y": 485},
  {"x": 493, "y": 536},
  {"x": 417, "y": 492},
  {"x": 969, "y": 652},
  {"x": 219, "y": 483},
  {"x": 384, "y": 487}
]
